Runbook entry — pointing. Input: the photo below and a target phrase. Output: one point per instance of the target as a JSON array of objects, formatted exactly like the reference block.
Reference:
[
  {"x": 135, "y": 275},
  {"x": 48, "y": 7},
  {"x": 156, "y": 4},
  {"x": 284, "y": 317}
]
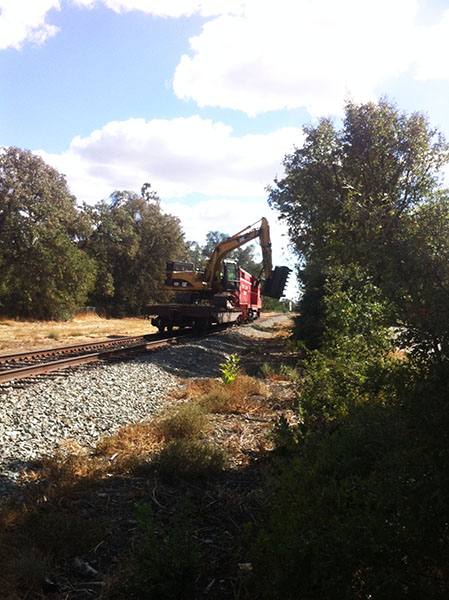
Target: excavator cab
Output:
[{"x": 230, "y": 276}]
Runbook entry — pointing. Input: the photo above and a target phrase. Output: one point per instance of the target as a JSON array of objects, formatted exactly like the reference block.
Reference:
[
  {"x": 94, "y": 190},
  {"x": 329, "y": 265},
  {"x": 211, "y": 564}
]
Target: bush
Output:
[
  {"x": 186, "y": 423},
  {"x": 358, "y": 508},
  {"x": 191, "y": 458}
]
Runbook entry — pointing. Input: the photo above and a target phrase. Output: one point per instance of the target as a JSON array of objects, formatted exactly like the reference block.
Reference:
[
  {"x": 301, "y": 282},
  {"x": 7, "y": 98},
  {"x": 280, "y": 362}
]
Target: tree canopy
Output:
[
  {"x": 370, "y": 193},
  {"x": 43, "y": 273},
  {"x": 55, "y": 257},
  {"x": 131, "y": 240}
]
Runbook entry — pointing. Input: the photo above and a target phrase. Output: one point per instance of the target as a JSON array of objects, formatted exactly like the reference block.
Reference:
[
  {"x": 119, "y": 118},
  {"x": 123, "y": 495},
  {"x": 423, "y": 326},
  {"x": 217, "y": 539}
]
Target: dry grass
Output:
[
  {"x": 196, "y": 387},
  {"x": 16, "y": 336},
  {"x": 243, "y": 395},
  {"x": 141, "y": 439}
]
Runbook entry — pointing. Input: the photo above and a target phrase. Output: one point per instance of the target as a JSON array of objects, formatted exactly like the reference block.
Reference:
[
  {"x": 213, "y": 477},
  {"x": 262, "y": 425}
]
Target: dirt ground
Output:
[{"x": 17, "y": 336}]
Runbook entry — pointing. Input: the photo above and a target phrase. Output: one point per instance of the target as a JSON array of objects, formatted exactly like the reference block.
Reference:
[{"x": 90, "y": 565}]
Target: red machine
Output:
[{"x": 223, "y": 292}]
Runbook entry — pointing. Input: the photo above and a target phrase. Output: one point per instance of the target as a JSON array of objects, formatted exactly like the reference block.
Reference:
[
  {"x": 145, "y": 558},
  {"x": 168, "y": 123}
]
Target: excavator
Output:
[
  {"x": 223, "y": 292},
  {"x": 220, "y": 275}
]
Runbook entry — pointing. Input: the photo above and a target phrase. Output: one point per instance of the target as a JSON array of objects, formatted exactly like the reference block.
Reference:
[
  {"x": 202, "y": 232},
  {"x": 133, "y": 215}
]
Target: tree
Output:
[
  {"x": 43, "y": 273},
  {"x": 131, "y": 241},
  {"x": 359, "y": 195}
]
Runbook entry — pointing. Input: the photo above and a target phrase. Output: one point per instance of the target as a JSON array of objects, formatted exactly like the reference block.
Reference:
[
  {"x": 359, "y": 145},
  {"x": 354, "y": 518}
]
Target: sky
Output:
[{"x": 204, "y": 98}]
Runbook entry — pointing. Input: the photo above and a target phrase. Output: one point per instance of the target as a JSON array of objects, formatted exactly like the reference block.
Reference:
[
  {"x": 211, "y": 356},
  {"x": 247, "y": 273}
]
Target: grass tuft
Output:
[
  {"x": 240, "y": 396},
  {"x": 188, "y": 422},
  {"x": 191, "y": 458}
]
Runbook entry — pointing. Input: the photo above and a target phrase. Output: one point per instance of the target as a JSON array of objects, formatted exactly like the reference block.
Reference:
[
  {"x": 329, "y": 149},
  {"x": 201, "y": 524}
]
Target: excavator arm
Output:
[
  {"x": 198, "y": 284},
  {"x": 215, "y": 262}
]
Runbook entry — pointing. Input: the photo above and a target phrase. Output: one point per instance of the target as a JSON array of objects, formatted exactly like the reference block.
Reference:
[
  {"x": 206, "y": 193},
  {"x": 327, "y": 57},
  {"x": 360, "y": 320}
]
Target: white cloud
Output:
[
  {"x": 297, "y": 54},
  {"x": 169, "y": 8},
  {"x": 22, "y": 20},
  {"x": 433, "y": 43},
  {"x": 178, "y": 157}
]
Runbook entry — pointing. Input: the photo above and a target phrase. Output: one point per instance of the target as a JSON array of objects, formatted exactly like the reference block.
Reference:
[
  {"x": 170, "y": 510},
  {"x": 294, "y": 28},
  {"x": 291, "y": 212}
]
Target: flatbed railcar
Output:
[{"x": 241, "y": 303}]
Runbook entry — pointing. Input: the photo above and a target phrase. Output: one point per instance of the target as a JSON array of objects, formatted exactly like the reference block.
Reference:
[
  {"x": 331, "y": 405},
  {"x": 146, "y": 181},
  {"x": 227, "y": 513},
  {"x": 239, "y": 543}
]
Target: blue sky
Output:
[{"x": 203, "y": 98}]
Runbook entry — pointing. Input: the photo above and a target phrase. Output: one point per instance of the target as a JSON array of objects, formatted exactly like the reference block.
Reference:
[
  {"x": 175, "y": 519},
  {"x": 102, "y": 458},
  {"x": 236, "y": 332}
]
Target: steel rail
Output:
[
  {"x": 72, "y": 349},
  {"x": 64, "y": 363}
]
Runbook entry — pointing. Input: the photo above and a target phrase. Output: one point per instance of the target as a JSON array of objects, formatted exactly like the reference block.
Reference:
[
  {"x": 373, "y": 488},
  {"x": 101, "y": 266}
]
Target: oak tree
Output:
[{"x": 43, "y": 273}]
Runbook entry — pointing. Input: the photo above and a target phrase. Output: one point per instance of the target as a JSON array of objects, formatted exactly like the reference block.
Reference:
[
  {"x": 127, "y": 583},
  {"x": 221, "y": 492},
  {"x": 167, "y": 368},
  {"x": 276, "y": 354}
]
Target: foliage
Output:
[
  {"x": 131, "y": 241},
  {"x": 274, "y": 305},
  {"x": 186, "y": 423},
  {"x": 229, "y": 369},
  {"x": 357, "y": 509},
  {"x": 43, "y": 272},
  {"x": 192, "y": 458},
  {"x": 356, "y": 343},
  {"x": 356, "y": 502},
  {"x": 368, "y": 194}
]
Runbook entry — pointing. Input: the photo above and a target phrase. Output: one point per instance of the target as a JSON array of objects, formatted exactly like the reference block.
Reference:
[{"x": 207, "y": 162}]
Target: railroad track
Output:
[{"x": 41, "y": 362}]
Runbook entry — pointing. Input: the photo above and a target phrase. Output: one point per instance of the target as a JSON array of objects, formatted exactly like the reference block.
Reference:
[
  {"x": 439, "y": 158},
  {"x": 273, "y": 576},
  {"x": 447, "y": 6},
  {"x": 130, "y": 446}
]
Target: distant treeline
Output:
[{"x": 56, "y": 257}]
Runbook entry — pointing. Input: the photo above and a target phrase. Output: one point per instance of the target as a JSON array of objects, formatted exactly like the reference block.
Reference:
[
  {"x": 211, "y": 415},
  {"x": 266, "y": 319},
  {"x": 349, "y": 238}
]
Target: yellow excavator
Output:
[{"x": 220, "y": 275}]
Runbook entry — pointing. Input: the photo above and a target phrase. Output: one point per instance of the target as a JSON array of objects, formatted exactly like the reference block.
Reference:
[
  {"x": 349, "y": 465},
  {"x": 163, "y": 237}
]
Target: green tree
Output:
[
  {"x": 361, "y": 194},
  {"x": 131, "y": 241},
  {"x": 43, "y": 273}
]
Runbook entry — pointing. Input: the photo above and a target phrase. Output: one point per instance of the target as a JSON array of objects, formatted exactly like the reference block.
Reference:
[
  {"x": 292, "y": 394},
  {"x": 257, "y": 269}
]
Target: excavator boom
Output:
[
  {"x": 182, "y": 278},
  {"x": 215, "y": 262}
]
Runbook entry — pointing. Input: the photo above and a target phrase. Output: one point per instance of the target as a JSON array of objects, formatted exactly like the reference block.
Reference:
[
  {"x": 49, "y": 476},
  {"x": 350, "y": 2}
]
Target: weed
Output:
[
  {"x": 229, "y": 369},
  {"x": 266, "y": 370},
  {"x": 282, "y": 373},
  {"x": 238, "y": 396},
  {"x": 54, "y": 335}
]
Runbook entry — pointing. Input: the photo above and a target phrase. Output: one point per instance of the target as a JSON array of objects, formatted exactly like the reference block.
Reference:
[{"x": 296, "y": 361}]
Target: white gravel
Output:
[
  {"x": 83, "y": 406},
  {"x": 94, "y": 402}
]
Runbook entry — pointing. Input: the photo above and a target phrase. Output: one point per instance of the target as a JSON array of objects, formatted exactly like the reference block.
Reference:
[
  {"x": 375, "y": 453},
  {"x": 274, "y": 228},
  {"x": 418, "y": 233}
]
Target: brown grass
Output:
[
  {"x": 243, "y": 395},
  {"x": 140, "y": 439},
  {"x": 196, "y": 387},
  {"x": 16, "y": 336}
]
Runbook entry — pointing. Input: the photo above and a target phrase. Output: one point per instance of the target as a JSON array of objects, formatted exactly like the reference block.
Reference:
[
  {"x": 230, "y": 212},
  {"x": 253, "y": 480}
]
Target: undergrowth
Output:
[{"x": 47, "y": 528}]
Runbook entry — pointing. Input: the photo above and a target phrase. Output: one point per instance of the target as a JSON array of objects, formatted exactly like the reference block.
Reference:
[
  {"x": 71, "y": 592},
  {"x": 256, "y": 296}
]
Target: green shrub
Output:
[
  {"x": 357, "y": 508},
  {"x": 186, "y": 423},
  {"x": 191, "y": 458}
]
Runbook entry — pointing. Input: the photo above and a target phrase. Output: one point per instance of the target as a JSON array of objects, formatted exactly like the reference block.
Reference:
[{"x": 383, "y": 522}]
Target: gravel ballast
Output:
[{"x": 94, "y": 402}]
